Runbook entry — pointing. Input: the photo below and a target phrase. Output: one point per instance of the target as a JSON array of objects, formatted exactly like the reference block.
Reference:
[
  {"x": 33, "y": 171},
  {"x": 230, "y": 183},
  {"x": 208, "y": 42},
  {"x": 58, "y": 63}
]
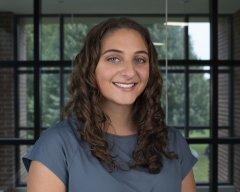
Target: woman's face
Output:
[{"x": 123, "y": 69}]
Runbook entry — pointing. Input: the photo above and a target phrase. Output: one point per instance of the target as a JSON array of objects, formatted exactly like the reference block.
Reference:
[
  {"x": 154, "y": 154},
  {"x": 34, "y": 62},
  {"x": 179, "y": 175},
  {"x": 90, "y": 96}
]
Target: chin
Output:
[
  {"x": 121, "y": 101},
  {"x": 125, "y": 103}
]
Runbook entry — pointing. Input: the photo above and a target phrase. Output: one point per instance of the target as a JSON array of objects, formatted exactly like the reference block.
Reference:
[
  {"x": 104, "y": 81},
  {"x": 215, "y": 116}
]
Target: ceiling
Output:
[{"x": 118, "y": 6}]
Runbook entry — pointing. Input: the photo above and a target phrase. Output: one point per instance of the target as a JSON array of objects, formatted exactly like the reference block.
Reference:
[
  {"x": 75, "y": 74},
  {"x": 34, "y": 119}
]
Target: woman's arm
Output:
[
  {"x": 188, "y": 183},
  {"x": 40, "y": 179}
]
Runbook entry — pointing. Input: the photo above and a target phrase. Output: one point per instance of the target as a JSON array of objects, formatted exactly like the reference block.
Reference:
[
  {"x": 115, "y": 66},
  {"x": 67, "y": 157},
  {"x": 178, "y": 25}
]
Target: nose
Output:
[{"x": 128, "y": 69}]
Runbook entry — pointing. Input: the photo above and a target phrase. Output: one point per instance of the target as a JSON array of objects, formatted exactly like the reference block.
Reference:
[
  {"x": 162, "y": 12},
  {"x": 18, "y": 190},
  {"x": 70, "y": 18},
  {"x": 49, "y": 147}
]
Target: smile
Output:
[{"x": 125, "y": 85}]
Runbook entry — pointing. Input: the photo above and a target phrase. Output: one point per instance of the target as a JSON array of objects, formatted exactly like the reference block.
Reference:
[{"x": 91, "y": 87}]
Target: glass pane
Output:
[
  {"x": 7, "y": 107},
  {"x": 201, "y": 69},
  {"x": 25, "y": 38},
  {"x": 176, "y": 99},
  {"x": 175, "y": 37},
  {"x": 25, "y": 133},
  {"x": 157, "y": 28},
  {"x": 199, "y": 45},
  {"x": 75, "y": 30},
  {"x": 67, "y": 73},
  {"x": 174, "y": 68},
  {"x": 199, "y": 133},
  {"x": 50, "y": 42},
  {"x": 199, "y": 100},
  {"x": 26, "y": 97},
  {"x": 50, "y": 96},
  {"x": 201, "y": 169}
]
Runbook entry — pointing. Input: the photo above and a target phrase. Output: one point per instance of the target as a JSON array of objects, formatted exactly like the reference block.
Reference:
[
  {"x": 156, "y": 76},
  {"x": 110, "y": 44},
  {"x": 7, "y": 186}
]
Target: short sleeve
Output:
[
  {"x": 50, "y": 151},
  {"x": 185, "y": 157}
]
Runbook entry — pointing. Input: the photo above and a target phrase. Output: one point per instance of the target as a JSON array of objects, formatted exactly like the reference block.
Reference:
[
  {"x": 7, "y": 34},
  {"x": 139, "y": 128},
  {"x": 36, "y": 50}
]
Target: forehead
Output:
[{"x": 124, "y": 37}]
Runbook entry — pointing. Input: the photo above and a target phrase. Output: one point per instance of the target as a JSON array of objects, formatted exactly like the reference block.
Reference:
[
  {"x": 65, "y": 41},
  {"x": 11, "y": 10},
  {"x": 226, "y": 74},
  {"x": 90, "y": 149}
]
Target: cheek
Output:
[
  {"x": 102, "y": 79},
  {"x": 98, "y": 79},
  {"x": 145, "y": 74},
  {"x": 100, "y": 84}
]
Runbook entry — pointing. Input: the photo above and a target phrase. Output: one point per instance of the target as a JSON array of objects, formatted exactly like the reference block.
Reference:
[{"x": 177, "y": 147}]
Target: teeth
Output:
[{"x": 123, "y": 85}]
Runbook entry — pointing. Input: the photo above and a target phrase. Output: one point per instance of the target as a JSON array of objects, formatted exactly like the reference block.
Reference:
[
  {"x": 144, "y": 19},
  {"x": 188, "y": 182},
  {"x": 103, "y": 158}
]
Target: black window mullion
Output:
[
  {"x": 186, "y": 129},
  {"x": 61, "y": 28},
  {"x": 16, "y": 101},
  {"x": 36, "y": 44},
  {"x": 186, "y": 39},
  {"x": 186, "y": 56},
  {"x": 16, "y": 85},
  {"x": 213, "y": 9}
]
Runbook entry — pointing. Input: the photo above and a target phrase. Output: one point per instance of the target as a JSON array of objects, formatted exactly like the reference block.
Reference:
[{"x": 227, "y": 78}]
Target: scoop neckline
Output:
[{"x": 121, "y": 136}]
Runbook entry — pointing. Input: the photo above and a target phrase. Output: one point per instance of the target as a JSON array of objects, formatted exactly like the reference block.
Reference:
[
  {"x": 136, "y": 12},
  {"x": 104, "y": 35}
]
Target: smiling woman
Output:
[
  {"x": 123, "y": 68},
  {"x": 114, "y": 131}
]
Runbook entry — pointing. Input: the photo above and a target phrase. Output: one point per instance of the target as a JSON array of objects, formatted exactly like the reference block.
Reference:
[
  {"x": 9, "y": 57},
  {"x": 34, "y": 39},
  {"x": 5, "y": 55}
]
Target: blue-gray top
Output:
[{"x": 61, "y": 150}]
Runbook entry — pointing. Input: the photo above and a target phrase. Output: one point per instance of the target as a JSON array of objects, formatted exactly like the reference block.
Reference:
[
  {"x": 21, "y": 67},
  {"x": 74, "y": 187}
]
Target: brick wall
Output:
[
  {"x": 224, "y": 48},
  {"x": 223, "y": 98},
  {"x": 223, "y": 120},
  {"x": 236, "y": 35},
  {"x": 223, "y": 101},
  {"x": 237, "y": 126},
  {"x": 236, "y": 51},
  {"x": 7, "y": 158},
  {"x": 224, "y": 38},
  {"x": 6, "y": 35}
]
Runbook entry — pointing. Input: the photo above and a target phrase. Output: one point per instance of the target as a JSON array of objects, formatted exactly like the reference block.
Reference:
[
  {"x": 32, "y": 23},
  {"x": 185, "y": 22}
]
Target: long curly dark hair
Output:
[{"x": 147, "y": 112}]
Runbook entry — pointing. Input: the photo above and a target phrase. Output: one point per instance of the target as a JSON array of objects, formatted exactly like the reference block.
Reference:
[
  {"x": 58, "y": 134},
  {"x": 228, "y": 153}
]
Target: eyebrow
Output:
[{"x": 119, "y": 51}]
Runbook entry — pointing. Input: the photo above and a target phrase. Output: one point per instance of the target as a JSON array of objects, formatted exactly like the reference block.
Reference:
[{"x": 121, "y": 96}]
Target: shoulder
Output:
[
  {"x": 61, "y": 131},
  {"x": 56, "y": 148},
  {"x": 63, "y": 136},
  {"x": 174, "y": 135},
  {"x": 176, "y": 141},
  {"x": 59, "y": 141},
  {"x": 178, "y": 144}
]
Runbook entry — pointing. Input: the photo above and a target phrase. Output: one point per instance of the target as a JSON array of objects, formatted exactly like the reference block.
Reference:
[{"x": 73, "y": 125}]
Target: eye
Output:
[
  {"x": 113, "y": 59},
  {"x": 140, "y": 60}
]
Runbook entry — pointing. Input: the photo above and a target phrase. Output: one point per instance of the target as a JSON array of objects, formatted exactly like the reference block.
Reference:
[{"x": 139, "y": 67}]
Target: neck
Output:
[{"x": 121, "y": 119}]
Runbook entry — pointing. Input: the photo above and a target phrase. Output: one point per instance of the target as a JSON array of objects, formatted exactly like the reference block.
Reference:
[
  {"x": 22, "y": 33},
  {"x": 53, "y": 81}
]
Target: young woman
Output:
[{"x": 113, "y": 137}]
